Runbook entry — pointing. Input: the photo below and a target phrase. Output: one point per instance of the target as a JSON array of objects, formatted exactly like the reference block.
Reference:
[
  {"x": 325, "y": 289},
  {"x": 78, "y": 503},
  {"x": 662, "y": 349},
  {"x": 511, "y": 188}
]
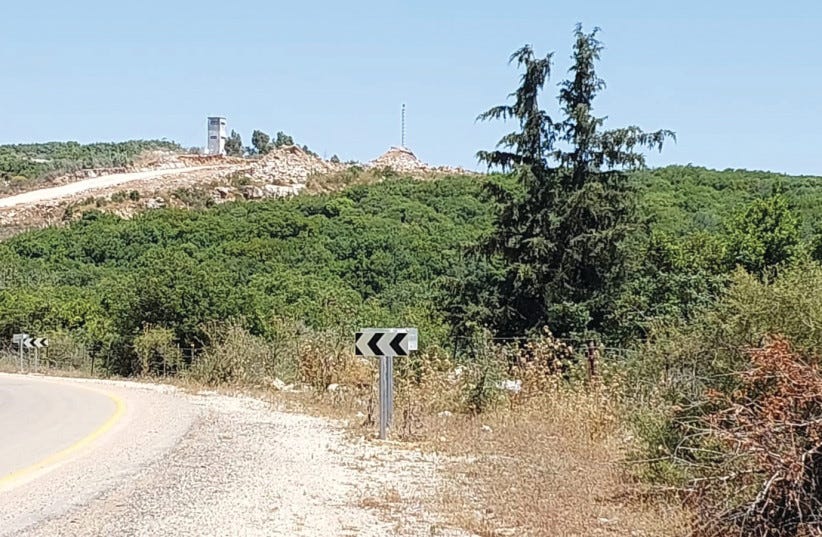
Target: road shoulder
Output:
[{"x": 245, "y": 468}]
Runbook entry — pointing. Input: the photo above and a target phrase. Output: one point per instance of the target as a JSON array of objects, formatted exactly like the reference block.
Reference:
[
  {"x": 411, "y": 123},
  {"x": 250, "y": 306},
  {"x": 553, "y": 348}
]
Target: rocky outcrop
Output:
[
  {"x": 402, "y": 159},
  {"x": 289, "y": 165}
]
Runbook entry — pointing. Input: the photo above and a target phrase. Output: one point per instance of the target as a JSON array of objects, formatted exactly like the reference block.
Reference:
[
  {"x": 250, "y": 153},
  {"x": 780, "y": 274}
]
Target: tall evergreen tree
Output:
[{"x": 561, "y": 240}]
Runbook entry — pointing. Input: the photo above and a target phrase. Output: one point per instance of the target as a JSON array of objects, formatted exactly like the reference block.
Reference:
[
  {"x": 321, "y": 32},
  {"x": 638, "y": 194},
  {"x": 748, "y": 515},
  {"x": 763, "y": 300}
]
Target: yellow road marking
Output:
[{"x": 52, "y": 460}]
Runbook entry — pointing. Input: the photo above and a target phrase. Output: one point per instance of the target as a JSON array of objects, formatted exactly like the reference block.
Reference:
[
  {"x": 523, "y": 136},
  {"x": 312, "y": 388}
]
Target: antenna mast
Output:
[{"x": 403, "y": 124}]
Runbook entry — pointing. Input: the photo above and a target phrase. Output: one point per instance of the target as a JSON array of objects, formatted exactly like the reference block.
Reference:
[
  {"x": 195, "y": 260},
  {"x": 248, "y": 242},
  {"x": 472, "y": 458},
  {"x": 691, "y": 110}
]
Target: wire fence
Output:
[
  {"x": 580, "y": 346},
  {"x": 66, "y": 355},
  {"x": 82, "y": 361}
]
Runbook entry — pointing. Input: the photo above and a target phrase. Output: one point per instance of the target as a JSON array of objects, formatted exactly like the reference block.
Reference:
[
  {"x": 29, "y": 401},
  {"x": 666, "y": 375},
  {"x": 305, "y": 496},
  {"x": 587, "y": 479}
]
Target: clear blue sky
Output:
[{"x": 739, "y": 81}]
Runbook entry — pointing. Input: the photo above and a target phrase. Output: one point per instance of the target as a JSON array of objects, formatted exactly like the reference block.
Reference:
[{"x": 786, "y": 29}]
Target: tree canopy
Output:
[
  {"x": 261, "y": 142},
  {"x": 234, "y": 145},
  {"x": 560, "y": 240}
]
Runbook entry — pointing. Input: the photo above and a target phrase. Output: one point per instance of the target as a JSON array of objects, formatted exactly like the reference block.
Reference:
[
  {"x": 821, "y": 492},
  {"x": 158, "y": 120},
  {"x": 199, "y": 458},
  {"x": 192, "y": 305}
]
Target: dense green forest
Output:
[
  {"x": 683, "y": 199},
  {"x": 26, "y": 162},
  {"x": 384, "y": 253},
  {"x": 368, "y": 256}
]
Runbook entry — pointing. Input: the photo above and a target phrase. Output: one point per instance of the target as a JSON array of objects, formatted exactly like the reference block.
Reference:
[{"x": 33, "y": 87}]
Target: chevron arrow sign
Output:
[
  {"x": 35, "y": 342},
  {"x": 386, "y": 341}
]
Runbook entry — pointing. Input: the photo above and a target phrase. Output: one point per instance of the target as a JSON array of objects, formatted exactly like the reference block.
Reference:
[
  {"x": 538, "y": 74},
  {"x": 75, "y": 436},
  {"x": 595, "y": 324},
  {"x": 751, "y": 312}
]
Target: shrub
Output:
[
  {"x": 326, "y": 358},
  {"x": 157, "y": 351},
  {"x": 66, "y": 351},
  {"x": 192, "y": 197},
  {"x": 770, "y": 467},
  {"x": 734, "y": 429},
  {"x": 238, "y": 357},
  {"x": 238, "y": 180}
]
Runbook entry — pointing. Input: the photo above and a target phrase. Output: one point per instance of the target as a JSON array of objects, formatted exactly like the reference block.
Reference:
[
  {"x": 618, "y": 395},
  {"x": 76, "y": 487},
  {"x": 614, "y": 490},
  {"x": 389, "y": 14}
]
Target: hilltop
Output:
[{"x": 158, "y": 176}]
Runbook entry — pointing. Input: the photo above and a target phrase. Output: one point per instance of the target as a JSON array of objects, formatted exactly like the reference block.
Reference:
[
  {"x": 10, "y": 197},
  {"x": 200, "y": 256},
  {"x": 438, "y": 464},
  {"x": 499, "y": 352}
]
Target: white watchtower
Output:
[{"x": 216, "y": 135}]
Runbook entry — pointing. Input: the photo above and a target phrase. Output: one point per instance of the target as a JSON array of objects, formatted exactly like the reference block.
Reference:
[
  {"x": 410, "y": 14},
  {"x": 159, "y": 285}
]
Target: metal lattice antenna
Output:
[{"x": 403, "y": 125}]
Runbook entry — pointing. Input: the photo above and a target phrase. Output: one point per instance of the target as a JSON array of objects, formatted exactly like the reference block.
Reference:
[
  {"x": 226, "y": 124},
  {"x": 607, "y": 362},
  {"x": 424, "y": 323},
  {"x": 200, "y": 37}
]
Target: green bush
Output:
[
  {"x": 29, "y": 163},
  {"x": 157, "y": 352},
  {"x": 238, "y": 357},
  {"x": 686, "y": 368},
  {"x": 66, "y": 352}
]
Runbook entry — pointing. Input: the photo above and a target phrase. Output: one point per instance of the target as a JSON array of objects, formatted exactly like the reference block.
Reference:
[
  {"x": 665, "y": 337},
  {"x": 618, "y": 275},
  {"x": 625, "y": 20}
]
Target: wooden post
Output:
[{"x": 591, "y": 360}]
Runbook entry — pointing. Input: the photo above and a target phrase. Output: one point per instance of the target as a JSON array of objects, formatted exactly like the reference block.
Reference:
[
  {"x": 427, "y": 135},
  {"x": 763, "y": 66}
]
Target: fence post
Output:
[{"x": 592, "y": 372}]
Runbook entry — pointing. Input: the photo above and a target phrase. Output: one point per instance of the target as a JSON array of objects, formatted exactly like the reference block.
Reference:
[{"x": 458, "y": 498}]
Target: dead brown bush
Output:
[{"x": 768, "y": 480}]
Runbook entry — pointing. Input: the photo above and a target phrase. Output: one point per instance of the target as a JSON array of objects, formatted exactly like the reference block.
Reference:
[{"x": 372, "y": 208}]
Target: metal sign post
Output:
[
  {"x": 389, "y": 376},
  {"x": 385, "y": 411},
  {"x": 18, "y": 339},
  {"x": 386, "y": 343},
  {"x": 27, "y": 343}
]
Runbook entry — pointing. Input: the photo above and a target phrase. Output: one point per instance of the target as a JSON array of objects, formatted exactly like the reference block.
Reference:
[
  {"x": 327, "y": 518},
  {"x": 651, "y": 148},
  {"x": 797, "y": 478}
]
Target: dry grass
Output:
[
  {"x": 546, "y": 461},
  {"x": 9, "y": 364},
  {"x": 549, "y": 467},
  {"x": 389, "y": 498}
]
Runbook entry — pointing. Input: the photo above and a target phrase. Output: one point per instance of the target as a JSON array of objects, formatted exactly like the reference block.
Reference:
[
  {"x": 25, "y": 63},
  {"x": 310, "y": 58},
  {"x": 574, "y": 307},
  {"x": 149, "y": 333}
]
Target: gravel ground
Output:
[{"x": 222, "y": 465}]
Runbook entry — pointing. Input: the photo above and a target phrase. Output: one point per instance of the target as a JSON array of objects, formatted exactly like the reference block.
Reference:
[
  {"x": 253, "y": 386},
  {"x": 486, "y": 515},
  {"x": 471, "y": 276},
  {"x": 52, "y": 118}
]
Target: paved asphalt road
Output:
[
  {"x": 136, "y": 459},
  {"x": 40, "y": 421},
  {"x": 64, "y": 442}
]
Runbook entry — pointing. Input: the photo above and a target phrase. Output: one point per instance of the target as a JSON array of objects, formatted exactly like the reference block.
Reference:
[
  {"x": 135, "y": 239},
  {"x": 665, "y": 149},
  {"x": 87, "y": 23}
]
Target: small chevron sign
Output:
[
  {"x": 35, "y": 342},
  {"x": 386, "y": 341}
]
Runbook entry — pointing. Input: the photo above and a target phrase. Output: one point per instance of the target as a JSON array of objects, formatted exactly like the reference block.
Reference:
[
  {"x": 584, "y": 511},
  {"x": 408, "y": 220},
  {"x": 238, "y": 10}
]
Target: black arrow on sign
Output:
[
  {"x": 396, "y": 343},
  {"x": 374, "y": 343},
  {"x": 356, "y": 344}
]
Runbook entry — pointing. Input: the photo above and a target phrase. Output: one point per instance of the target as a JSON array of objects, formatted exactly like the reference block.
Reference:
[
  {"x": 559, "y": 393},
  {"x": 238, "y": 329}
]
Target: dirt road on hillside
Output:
[{"x": 97, "y": 183}]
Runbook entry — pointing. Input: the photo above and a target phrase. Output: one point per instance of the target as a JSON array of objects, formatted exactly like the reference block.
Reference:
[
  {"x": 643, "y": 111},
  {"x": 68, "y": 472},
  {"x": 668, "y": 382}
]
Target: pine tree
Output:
[
  {"x": 561, "y": 242},
  {"x": 283, "y": 139}
]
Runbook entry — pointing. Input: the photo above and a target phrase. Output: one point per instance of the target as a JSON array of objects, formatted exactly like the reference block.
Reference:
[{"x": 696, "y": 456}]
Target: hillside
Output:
[
  {"x": 159, "y": 178},
  {"x": 23, "y": 166},
  {"x": 367, "y": 255},
  {"x": 683, "y": 199},
  {"x": 227, "y": 283},
  {"x": 268, "y": 292},
  {"x": 331, "y": 261}
]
